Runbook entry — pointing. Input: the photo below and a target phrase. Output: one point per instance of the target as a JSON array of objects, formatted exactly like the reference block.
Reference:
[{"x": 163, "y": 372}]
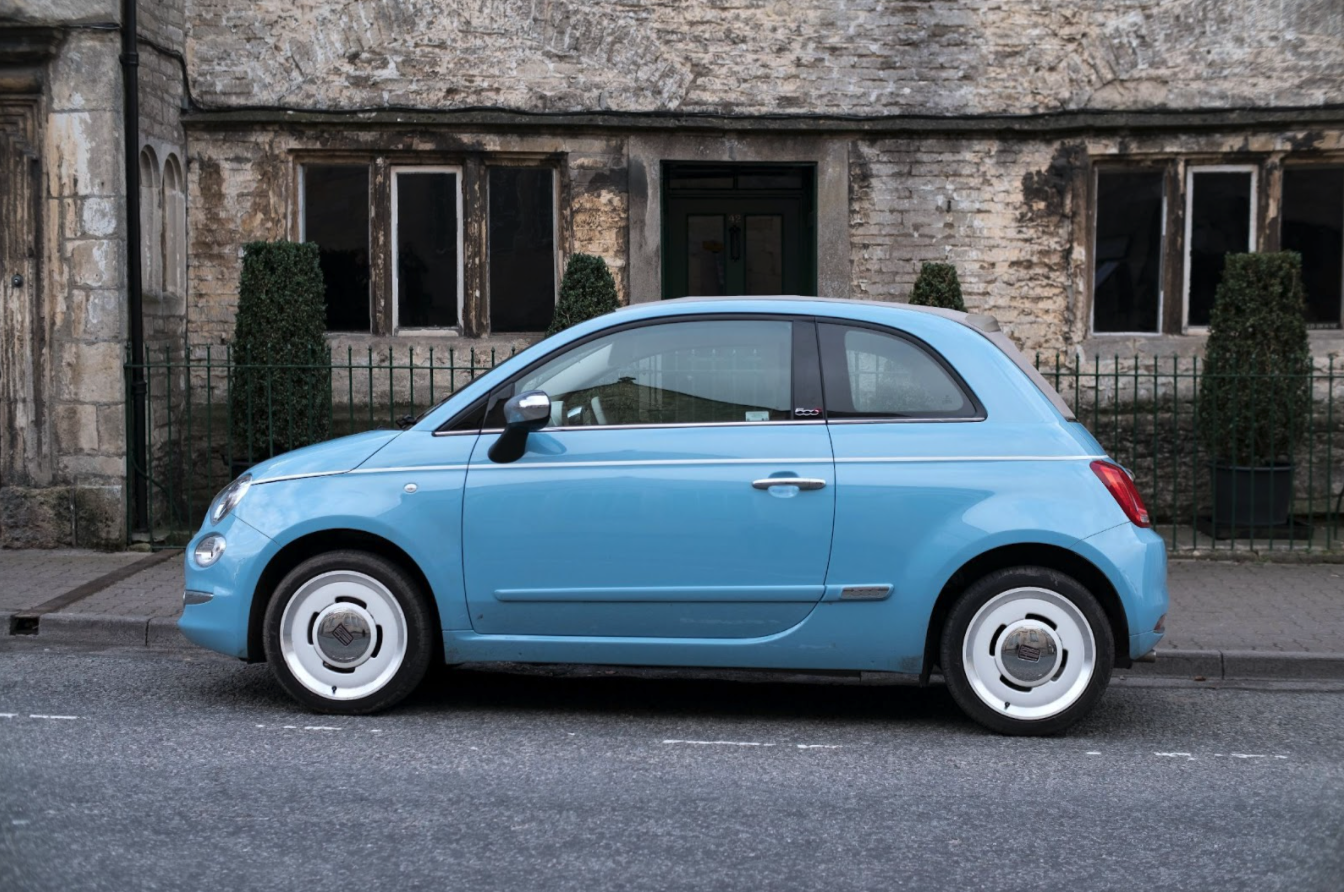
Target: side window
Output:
[
  {"x": 872, "y": 374},
  {"x": 696, "y": 372}
]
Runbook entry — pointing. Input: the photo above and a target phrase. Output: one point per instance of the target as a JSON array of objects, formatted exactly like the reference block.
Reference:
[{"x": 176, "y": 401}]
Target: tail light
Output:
[{"x": 1121, "y": 486}]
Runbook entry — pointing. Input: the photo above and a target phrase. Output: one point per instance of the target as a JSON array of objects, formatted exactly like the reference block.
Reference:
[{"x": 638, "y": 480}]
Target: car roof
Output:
[{"x": 978, "y": 321}]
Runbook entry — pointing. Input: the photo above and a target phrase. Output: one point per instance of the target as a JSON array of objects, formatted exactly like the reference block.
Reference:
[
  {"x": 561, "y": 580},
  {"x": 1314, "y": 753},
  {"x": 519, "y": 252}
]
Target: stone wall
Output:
[
  {"x": 83, "y": 215},
  {"x": 72, "y": 493},
  {"x": 741, "y": 57}
]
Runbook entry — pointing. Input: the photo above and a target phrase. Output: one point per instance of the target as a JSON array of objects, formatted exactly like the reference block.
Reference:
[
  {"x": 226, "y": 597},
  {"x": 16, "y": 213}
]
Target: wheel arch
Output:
[
  {"x": 306, "y": 546},
  {"x": 1035, "y": 554}
]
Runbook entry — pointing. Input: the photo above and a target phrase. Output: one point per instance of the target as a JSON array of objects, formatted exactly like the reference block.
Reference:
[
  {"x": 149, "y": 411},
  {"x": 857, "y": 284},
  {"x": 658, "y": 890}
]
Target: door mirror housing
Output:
[{"x": 523, "y": 413}]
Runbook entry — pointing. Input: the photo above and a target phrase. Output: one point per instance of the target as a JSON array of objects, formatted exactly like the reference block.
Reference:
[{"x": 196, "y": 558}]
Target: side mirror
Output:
[{"x": 523, "y": 413}]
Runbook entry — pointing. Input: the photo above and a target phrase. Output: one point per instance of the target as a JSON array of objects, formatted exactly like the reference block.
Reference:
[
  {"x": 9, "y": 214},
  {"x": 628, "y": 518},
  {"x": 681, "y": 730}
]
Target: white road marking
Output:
[
  {"x": 718, "y": 742},
  {"x": 1093, "y": 753},
  {"x": 18, "y": 823},
  {"x": 819, "y": 746},
  {"x": 1176, "y": 755},
  {"x": 8, "y": 715},
  {"x": 321, "y": 728},
  {"x": 65, "y": 717}
]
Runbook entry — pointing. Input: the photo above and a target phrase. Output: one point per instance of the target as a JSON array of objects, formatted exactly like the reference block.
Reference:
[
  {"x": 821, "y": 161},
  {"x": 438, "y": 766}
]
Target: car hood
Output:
[{"x": 332, "y": 457}]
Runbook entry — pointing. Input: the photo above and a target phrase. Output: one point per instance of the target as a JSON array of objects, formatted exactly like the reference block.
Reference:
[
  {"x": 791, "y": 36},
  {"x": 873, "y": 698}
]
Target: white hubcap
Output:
[
  {"x": 343, "y": 635},
  {"x": 1029, "y": 653}
]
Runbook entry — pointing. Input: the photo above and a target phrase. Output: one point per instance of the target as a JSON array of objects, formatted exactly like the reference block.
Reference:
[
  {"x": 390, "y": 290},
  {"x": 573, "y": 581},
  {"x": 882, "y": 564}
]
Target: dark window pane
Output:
[
  {"x": 764, "y": 254},
  {"x": 1128, "y": 256},
  {"x": 675, "y": 373},
  {"x": 336, "y": 216},
  {"x": 1313, "y": 226},
  {"x": 869, "y": 374},
  {"x": 522, "y": 249},
  {"x": 426, "y": 260},
  {"x": 1220, "y": 224}
]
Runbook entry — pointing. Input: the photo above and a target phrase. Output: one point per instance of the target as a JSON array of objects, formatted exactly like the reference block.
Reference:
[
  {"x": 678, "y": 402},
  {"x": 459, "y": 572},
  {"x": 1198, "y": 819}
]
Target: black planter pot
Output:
[{"x": 1252, "y": 496}]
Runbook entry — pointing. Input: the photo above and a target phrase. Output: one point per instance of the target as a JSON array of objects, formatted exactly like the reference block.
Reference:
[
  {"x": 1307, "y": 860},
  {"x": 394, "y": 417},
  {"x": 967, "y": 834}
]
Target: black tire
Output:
[
  {"x": 1077, "y": 695},
  {"x": 398, "y": 679}
]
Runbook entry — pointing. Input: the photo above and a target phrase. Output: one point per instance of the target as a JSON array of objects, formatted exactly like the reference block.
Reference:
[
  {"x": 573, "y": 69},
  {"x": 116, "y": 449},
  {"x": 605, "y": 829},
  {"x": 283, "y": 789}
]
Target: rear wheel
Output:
[
  {"x": 348, "y": 633},
  {"x": 1027, "y": 650}
]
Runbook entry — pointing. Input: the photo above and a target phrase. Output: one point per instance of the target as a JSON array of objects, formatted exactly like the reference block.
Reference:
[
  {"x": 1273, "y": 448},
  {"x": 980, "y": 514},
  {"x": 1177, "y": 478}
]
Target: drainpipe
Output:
[{"x": 130, "y": 65}]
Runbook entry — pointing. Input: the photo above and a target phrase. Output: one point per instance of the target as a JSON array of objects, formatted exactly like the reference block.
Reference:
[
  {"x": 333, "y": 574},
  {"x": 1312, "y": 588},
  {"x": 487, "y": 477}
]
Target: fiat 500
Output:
[{"x": 774, "y": 483}]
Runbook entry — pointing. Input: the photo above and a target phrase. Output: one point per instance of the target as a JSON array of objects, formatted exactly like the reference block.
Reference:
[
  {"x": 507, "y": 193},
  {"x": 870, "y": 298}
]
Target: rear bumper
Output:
[{"x": 1134, "y": 559}]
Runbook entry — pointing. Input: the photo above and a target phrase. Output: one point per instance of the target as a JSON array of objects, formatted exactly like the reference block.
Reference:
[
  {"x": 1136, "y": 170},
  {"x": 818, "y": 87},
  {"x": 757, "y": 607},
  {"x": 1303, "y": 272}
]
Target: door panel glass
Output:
[
  {"x": 869, "y": 374},
  {"x": 1220, "y": 224},
  {"x": 704, "y": 255},
  {"x": 1313, "y": 226},
  {"x": 675, "y": 373},
  {"x": 427, "y": 257},
  {"x": 765, "y": 254}
]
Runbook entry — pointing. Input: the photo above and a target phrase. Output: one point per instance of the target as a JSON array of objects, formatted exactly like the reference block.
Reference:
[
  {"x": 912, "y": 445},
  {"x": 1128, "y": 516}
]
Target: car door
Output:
[{"x": 647, "y": 507}]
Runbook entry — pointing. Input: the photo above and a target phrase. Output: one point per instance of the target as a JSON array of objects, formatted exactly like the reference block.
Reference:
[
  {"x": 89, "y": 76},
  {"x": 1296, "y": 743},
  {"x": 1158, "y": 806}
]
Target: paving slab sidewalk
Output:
[{"x": 1227, "y": 620}]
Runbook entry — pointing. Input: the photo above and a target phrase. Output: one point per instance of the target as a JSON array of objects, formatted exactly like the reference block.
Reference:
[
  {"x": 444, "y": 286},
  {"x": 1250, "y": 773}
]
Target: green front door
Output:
[{"x": 738, "y": 229}]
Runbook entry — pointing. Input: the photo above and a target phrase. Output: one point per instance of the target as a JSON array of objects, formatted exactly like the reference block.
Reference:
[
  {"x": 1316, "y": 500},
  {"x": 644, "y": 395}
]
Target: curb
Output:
[
  {"x": 110, "y": 630},
  {"x": 1217, "y": 665}
]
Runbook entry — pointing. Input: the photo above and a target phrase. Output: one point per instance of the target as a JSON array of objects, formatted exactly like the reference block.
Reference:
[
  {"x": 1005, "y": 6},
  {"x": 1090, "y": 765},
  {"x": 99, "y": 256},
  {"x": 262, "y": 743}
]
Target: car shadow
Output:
[{"x": 633, "y": 692}]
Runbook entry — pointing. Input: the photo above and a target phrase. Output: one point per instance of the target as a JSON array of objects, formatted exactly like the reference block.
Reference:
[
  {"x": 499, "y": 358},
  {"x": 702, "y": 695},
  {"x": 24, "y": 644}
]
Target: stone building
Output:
[{"x": 1085, "y": 167}]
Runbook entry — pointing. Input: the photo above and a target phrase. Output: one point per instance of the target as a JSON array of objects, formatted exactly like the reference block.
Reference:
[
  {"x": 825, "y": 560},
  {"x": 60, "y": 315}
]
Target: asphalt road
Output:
[{"x": 135, "y": 770}]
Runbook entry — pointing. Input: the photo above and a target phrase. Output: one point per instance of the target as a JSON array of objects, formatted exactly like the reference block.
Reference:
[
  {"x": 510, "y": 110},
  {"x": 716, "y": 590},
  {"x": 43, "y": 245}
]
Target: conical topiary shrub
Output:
[
  {"x": 1255, "y": 392},
  {"x": 280, "y": 376},
  {"x": 586, "y": 291},
  {"x": 938, "y": 286}
]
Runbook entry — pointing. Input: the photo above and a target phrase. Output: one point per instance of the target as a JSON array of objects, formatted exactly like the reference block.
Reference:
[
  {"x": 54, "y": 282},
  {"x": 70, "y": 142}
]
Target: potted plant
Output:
[
  {"x": 938, "y": 286},
  {"x": 1255, "y": 393},
  {"x": 586, "y": 292},
  {"x": 280, "y": 373}
]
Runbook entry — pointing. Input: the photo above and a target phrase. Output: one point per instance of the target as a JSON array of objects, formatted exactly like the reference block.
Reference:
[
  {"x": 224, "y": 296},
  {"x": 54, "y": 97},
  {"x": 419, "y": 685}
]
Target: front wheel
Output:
[
  {"x": 1027, "y": 650},
  {"x": 348, "y": 633}
]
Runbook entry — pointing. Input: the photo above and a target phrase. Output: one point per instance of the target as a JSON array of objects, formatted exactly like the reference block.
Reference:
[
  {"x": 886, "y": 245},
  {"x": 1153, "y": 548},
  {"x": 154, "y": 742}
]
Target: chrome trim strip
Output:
[
  {"x": 946, "y": 458},
  {"x": 298, "y": 476},
  {"x": 190, "y": 597},
  {"x": 409, "y": 469},
  {"x": 864, "y": 592},
  {"x": 971, "y": 418},
  {"x": 637, "y": 427}
]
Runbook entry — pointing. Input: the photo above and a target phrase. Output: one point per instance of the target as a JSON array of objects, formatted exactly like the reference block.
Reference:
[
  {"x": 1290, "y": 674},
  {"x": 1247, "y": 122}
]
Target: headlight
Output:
[
  {"x": 229, "y": 498},
  {"x": 209, "y": 550}
]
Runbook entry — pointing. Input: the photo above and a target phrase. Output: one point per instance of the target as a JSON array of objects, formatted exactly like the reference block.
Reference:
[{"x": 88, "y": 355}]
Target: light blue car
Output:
[{"x": 777, "y": 483}]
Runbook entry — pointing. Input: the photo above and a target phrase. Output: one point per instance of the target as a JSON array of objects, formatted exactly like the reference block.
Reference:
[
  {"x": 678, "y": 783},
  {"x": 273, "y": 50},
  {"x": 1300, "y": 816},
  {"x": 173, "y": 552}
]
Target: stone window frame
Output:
[
  {"x": 1169, "y": 197},
  {"x": 396, "y": 326},
  {"x": 474, "y": 315},
  {"x": 559, "y": 194},
  {"x": 1328, "y": 161},
  {"x": 1266, "y": 189},
  {"x": 1191, "y": 171}
]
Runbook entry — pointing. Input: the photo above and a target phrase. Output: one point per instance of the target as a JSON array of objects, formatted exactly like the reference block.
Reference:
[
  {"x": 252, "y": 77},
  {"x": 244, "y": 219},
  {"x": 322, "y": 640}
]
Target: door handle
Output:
[{"x": 800, "y": 482}]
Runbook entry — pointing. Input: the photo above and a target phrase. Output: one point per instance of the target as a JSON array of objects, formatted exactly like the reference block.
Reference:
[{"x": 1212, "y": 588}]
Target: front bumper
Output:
[{"x": 218, "y": 599}]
